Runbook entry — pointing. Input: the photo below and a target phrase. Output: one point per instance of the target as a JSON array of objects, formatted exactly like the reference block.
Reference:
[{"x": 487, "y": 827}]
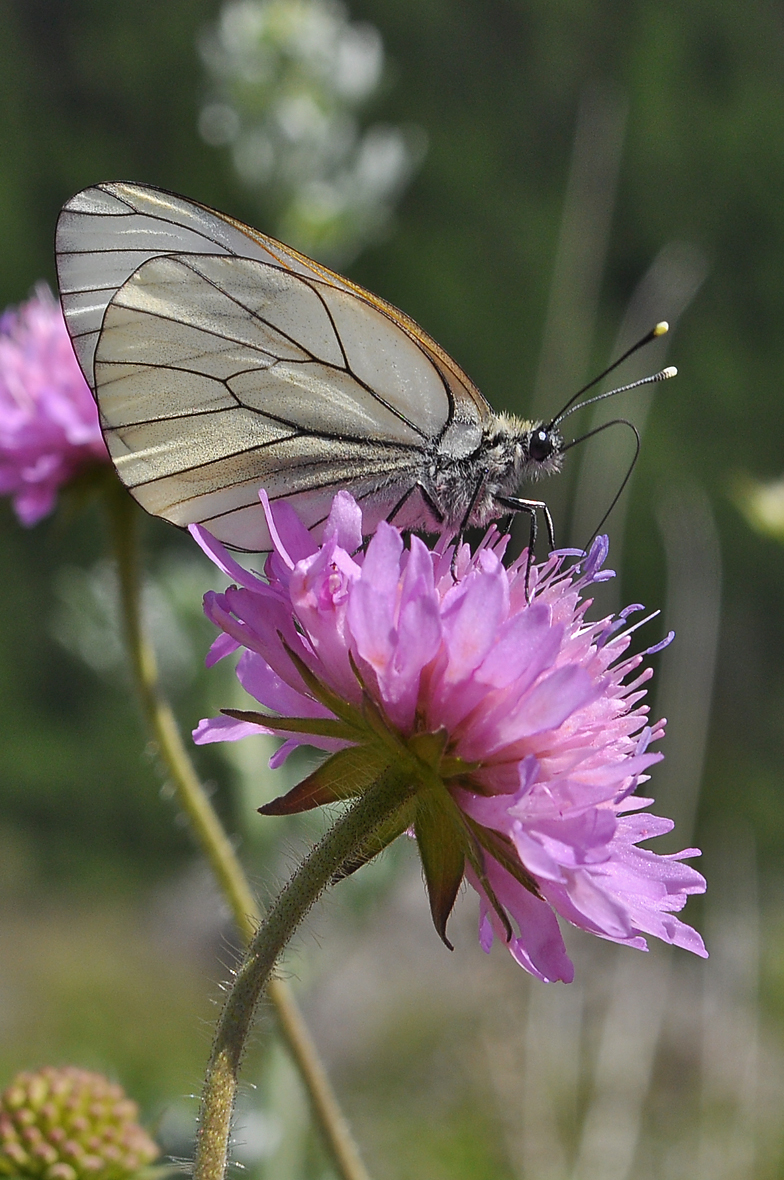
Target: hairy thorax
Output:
[{"x": 471, "y": 488}]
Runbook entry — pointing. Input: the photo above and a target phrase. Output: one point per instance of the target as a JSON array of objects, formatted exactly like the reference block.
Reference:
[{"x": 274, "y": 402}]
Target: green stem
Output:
[
  {"x": 214, "y": 842},
  {"x": 284, "y": 916}
]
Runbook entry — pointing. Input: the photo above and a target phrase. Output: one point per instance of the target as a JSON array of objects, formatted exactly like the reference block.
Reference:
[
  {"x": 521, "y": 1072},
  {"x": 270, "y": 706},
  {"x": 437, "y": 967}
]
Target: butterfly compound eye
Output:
[{"x": 540, "y": 446}]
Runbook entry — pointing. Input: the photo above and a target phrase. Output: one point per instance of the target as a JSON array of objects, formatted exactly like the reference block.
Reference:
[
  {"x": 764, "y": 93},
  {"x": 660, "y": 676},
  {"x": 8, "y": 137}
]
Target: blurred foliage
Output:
[
  {"x": 289, "y": 80},
  {"x": 92, "y": 91}
]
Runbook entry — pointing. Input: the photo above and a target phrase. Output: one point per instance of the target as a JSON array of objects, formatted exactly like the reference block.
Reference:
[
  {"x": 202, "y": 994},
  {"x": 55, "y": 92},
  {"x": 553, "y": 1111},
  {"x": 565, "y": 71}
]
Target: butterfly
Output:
[{"x": 223, "y": 362}]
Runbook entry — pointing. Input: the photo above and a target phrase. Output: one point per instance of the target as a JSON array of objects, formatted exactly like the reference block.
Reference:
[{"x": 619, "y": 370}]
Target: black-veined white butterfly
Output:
[{"x": 223, "y": 362}]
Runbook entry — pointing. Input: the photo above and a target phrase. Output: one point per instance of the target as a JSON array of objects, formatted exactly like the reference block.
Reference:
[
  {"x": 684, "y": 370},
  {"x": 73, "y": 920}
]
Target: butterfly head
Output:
[
  {"x": 543, "y": 449},
  {"x": 523, "y": 450}
]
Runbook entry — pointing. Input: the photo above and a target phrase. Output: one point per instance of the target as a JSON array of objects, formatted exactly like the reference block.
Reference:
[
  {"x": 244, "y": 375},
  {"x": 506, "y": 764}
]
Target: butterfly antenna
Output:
[
  {"x": 626, "y": 478},
  {"x": 662, "y": 375},
  {"x": 659, "y": 330}
]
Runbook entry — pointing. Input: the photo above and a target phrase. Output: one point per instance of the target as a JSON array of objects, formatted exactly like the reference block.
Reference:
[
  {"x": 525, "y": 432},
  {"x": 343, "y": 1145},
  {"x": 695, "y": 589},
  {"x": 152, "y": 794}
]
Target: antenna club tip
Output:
[
  {"x": 670, "y": 371},
  {"x": 661, "y": 328}
]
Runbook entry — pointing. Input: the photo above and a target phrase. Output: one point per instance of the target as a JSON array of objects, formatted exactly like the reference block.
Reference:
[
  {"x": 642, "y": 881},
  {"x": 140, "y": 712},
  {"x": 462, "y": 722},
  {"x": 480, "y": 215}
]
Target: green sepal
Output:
[
  {"x": 377, "y": 723},
  {"x": 429, "y": 747},
  {"x": 327, "y": 727},
  {"x": 344, "y": 775},
  {"x": 389, "y": 831},
  {"x": 372, "y": 715},
  {"x": 325, "y": 696},
  {"x": 443, "y": 848},
  {"x": 477, "y": 861},
  {"x": 501, "y": 848},
  {"x": 454, "y": 767}
]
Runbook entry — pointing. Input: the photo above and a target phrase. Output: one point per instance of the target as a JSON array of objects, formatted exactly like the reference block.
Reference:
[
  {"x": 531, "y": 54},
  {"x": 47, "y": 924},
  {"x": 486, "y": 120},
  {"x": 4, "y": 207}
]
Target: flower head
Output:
[
  {"x": 519, "y": 725},
  {"x": 49, "y": 425},
  {"x": 70, "y": 1124}
]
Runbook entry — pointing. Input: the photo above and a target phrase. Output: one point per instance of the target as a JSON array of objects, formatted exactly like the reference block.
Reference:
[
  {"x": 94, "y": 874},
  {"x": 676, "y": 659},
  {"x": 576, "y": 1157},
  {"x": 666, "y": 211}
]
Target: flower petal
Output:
[
  {"x": 220, "y": 556},
  {"x": 525, "y": 647},
  {"x": 225, "y": 729},
  {"x": 472, "y": 621},
  {"x": 344, "y": 522}
]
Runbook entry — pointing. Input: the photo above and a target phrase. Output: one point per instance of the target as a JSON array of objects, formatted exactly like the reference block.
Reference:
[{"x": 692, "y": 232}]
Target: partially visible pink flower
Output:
[
  {"x": 49, "y": 426},
  {"x": 531, "y": 718}
]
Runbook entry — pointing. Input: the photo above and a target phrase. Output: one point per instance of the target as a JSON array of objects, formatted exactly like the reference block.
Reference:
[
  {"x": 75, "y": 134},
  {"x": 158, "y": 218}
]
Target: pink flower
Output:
[
  {"x": 49, "y": 426},
  {"x": 528, "y": 722}
]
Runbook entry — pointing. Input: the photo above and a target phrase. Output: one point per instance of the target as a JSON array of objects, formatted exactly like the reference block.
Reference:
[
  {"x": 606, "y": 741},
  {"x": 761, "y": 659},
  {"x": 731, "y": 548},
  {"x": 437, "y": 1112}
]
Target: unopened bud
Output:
[{"x": 70, "y": 1124}]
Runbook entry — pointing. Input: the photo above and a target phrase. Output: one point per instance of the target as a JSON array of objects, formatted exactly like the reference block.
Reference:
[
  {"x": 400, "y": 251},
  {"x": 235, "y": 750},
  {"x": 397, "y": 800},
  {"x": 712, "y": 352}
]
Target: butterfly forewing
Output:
[{"x": 223, "y": 361}]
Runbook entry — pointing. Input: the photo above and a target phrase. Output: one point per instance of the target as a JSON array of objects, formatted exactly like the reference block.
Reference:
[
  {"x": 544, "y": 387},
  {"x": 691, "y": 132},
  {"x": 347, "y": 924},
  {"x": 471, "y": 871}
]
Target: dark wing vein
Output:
[
  {"x": 338, "y": 337},
  {"x": 309, "y": 283},
  {"x": 369, "y": 388},
  {"x": 296, "y": 432},
  {"x": 134, "y": 211},
  {"x": 254, "y": 314},
  {"x": 225, "y": 335}
]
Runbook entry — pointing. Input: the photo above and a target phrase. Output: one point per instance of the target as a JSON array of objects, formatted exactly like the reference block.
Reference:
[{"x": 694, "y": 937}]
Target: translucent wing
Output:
[{"x": 223, "y": 361}]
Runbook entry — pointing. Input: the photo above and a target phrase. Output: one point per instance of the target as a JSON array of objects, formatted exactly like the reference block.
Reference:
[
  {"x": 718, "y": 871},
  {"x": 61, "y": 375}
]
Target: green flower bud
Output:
[{"x": 70, "y": 1124}]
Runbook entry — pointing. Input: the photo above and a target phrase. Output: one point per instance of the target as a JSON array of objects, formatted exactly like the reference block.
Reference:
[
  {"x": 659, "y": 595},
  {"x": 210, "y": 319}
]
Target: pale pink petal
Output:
[
  {"x": 381, "y": 567},
  {"x": 471, "y": 623},
  {"x": 525, "y": 647},
  {"x": 220, "y": 556},
  {"x": 539, "y": 945},
  {"x": 221, "y": 647},
  {"x": 553, "y": 700},
  {"x": 225, "y": 729},
  {"x": 290, "y": 531},
  {"x": 258, "y": 678},
  {"x": 344, "y": 522}
]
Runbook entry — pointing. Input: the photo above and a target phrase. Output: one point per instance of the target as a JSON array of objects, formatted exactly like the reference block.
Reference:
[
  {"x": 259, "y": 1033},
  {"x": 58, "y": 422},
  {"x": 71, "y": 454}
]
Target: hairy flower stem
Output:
[
  {"x": 340, "y": 843},
  {"x": 213, "y": 840}
]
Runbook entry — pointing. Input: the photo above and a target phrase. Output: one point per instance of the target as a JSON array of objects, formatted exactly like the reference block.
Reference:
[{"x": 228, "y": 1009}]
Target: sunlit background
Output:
[{"x": 537, "y": 182}]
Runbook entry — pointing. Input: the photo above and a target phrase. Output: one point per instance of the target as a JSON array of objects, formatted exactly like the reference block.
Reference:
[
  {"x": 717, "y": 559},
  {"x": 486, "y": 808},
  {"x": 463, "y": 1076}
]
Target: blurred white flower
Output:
[
  {"x": 287, "y": 81},
  {"x": 762, "y": 504}
]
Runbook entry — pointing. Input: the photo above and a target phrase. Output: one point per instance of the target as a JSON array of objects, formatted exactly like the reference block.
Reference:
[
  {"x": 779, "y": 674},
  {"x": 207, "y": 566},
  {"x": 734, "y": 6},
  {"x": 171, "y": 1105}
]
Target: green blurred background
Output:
[{"x": 575, "y": 172}]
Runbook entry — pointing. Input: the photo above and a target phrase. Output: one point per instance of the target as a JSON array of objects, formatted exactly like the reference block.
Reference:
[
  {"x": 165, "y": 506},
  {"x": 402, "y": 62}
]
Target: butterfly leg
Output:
[
  {"x": 403, "y": 499},
  {"x": 417, "y": 487},
  {"x": 466, "y": 518},
  {"x": 432, "y": 506},
  {"x": 516, "y": 504}
]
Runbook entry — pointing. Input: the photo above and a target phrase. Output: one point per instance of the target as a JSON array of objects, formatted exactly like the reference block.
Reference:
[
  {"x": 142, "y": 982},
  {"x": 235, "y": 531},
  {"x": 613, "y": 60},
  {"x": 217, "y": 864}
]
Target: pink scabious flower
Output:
[
  {"x": 49, "y": 425},
  {"x": 526, "y": 721}
]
